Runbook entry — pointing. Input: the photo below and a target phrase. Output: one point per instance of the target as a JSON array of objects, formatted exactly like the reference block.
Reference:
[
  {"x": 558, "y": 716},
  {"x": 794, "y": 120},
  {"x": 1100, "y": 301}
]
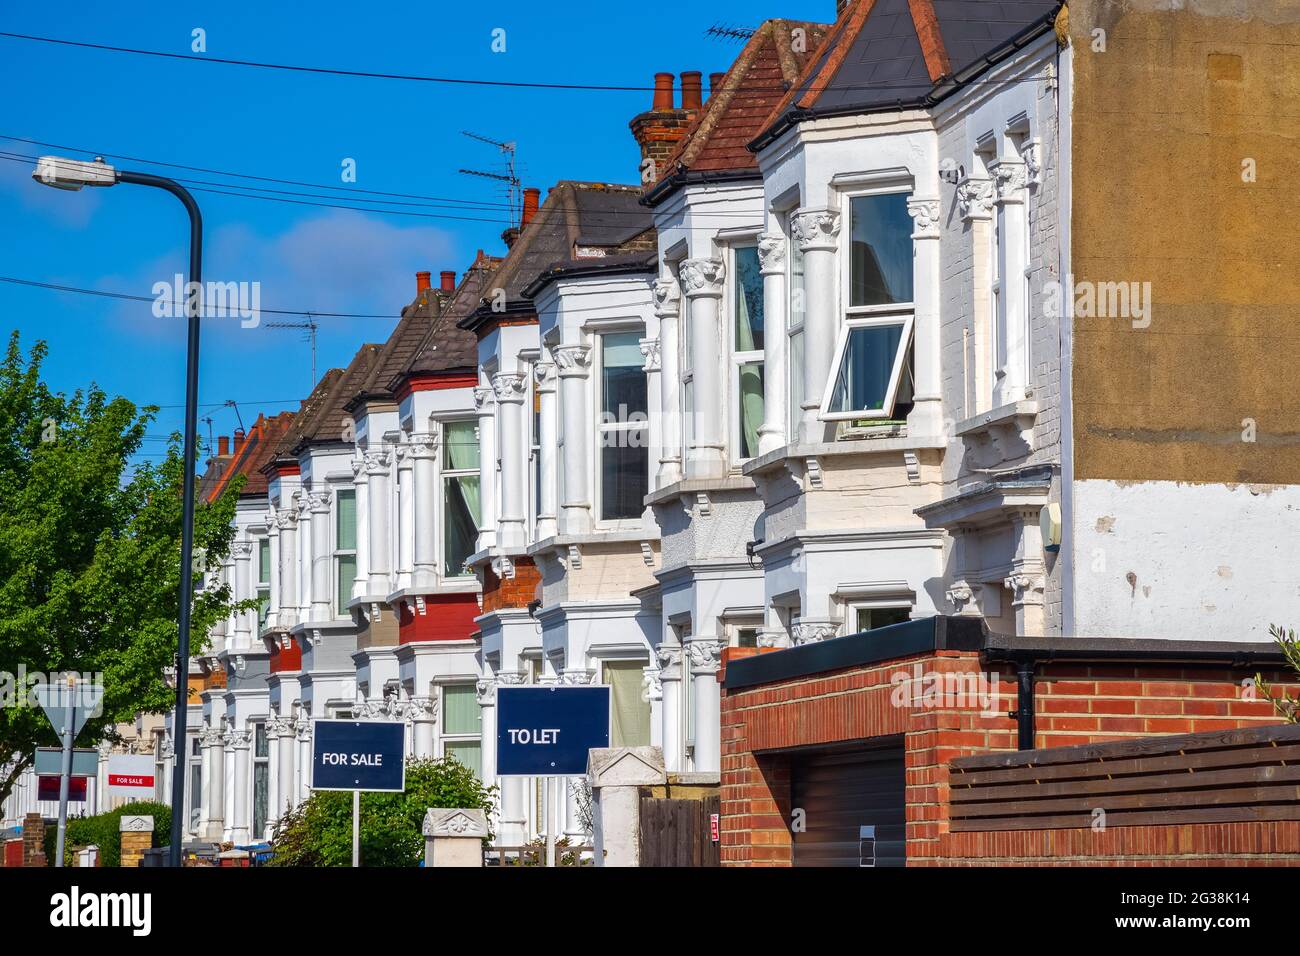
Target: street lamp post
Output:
[{"x": 73, "y": 174}]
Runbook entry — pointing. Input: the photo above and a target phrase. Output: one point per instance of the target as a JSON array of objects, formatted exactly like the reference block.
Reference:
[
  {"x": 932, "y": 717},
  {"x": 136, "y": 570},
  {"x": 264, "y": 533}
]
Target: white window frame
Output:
[
  {"x": 855, "y": 605},
  {"x": 444, "y": 737},
  {"x": 255, "y": 726},
  {"x": 444, "y": 475},
  {"x": 864, "y": 316},
  {"x": 341, "y": 552},
  {"x": 262, "y": 588},
  {"x": 793, "y": 330},
  {"x": 736, "y": 358},
  {"x": 600, "y": 429}
]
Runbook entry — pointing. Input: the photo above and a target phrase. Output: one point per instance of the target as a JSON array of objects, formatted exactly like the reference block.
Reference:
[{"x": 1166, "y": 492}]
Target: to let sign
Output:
[
  {"x": 546, "y": 731},
  {"x": 130, "y": 775},
  {"x": 358, "y": 755}
]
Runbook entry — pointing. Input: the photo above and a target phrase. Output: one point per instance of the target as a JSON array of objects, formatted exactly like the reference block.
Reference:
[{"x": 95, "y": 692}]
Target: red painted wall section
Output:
[
  {"x": 446, "y": 617},
  {"x": 286, "y": 658}
]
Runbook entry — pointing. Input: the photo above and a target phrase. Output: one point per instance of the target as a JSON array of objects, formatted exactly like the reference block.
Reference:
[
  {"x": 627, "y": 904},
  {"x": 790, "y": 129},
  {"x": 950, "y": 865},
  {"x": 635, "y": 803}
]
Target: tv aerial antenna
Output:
[
  {"x": 510, "y": 177},
  {"x": 309, "y": 330}
]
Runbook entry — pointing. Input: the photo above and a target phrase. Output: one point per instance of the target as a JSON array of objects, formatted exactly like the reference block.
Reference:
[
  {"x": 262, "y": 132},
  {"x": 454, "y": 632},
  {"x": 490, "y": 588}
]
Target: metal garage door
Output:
[{"x": 854, "y": 807}]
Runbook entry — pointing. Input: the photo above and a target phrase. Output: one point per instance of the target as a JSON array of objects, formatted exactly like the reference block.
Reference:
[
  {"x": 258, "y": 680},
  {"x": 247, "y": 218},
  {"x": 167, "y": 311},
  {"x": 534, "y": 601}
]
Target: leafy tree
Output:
[
  {"x": 1287, "y": 707},
  {"x": 319, "y": 831},
  {"x": 90, "y": 554}
]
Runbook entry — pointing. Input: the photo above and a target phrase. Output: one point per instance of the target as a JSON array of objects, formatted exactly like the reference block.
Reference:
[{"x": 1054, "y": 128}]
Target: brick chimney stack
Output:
[
  {"x": 532, "y": 198},
  {"x": 223, "y": 446},
  {"x": 658, "y": 130}
]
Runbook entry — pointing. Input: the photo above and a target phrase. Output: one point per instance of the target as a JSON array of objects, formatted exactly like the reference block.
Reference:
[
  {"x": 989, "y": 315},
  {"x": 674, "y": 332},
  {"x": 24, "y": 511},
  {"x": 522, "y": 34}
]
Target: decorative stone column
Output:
[
  {"x": 361, "y": 489},
  {"x": 422, "y": 712},
  {"x": 574, "y": 363},
  {"x": 817, "y": 232},
  {"x": 485, "y": 405},
  {"x": 287, "y": 790},
  {"x": 405, "y": 516},
  {"x": 321, "y": 600},
  {"x": 653, "y": 694},
  {"x": 512, "y": 529},
  {"x": 276, "y": 729},
  {"x": 304, "y": 556},
  {"x": 425, "y": 517},
  {"x": 287, "y": 522},
  {"x": 1010, "y": 369},
  {"x": 273, "y": 537},
  {"x": 240, "y": 820},
  {"x": 616, "y": 776},
  {"x": 241, "y": 552},
  {"x": 1026, "y": 580},
  {"x": 667, "y": 304},
  {"x": 975, "y": 200},
  {"x": 548, "y": 439},
  {"x": 212, "y": 740},
  {"x": 652, "y": 351},
  {"x": 302, "y": 731},
  {"x": 671, "y": 689},
  {"x": 377, "y": 467},
  {"x": 772, "y": 257},
  {"x": 705, "y": 655},
  {"x": 703, "y": 281},
  {"x": 137, "y": 836},
  {"x": 926, "y": 417}
]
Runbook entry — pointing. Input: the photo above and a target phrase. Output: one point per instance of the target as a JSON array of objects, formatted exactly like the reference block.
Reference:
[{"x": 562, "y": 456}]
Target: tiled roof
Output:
[
  {"x": 321, "y": 417},
  {"x": 576, "y": 218},
  {"x": 446, "y": 347},
  {"x": 766, "y": 68},
  {"x": 248, "y": 458},
  {"x": 883, "y": 54}
]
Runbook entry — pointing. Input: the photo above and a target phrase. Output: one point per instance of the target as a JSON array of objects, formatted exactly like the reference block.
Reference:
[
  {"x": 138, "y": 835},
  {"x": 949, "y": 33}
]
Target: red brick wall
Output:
[
  {"x": 516, "y": 592},
  {"x": 1075, "y": 704},
  {"x": 446, "y": 617}
]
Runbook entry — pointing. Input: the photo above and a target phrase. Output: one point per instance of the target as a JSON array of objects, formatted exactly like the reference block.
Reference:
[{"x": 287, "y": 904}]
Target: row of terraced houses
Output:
[{"x": 893, "y": 352}]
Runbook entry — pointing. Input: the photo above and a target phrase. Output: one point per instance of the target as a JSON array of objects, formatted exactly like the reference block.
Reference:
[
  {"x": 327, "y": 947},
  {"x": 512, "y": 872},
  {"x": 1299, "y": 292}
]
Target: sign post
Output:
[
  {"x": 67, "y": 706},
  {"x": 358, "y": 755},
  {"x": 546, "y": 731}
]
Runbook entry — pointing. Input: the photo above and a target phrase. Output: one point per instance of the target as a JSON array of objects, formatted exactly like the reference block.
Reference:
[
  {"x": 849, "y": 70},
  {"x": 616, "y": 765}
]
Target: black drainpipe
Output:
[{"x": 1024, "y": 712}]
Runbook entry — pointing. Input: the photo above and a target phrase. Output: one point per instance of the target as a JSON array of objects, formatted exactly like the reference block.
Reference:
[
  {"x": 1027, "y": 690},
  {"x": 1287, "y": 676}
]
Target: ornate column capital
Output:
[
  {"x": 925, "y": 218},
  {"x": 816, "y": 229},
  {"x": 577, "y": 676},
  {"x": 772, "y": 253},
  {"x": 302, "y": 728},
  {"x": 483, "y": 396},
  {"x": 239, "y": 739},
  {"x": 1032, "y": 154},
  {"x": 544, "y": 376},
  {"x": 811, "y": 632},
  {"x": 650, "y": 349},
  {"x": 1012, "y": 179},
  {"x": 241, "y": 550},
  {"x": 667, "y": 298},
  {"x": 424, "y": 445},
  {"x": 703, "y": 277},
  {"x": 652, "y": 684},
  {"x": 962, "y": 597},
  {"x": 508, "y": 386},
  {"x": 212, "y": 737},
  {"x": 705, "y": 655},
  {"x": 278, "y": 727},
  {"x": 573, "y": 360},
  {"x": 319, "y": 501},
  {"x": 419, "y": 708},
  {"x": 1025, "y": 587},
  {"x": 975, "y": 197}
]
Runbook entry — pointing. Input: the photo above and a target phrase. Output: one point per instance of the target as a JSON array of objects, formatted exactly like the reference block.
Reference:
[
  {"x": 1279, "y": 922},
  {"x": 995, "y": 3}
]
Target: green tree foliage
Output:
[
  {"x": 319, "y": 831},
  {"x": 104, "y": 831},
  {"x": 90, "y": 554},
  {"x": 1287, "y": 707}
]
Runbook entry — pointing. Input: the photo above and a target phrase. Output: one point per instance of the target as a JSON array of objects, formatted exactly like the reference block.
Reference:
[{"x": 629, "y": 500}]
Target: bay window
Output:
[
  {"x": 462, "y": 726},
  {"x": 345, "y": 548},
  {"x": 623, "y": 429},
  {"x": 746, "y": 350},
  {"x": 460, "y": 495},
  {"x": 870, "y": 377}
]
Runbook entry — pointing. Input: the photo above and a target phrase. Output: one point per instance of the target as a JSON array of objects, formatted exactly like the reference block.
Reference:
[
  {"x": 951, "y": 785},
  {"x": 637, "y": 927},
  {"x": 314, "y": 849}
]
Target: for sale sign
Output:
[{"x": 130, "y": 775}]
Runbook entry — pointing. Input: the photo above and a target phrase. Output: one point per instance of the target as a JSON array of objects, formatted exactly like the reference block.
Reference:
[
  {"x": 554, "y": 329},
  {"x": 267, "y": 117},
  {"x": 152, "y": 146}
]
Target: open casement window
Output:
[
  {"x": 460, "y": 495},
  {"x": 870, "y": 369},
  {"x": 263, "y": 581},
  {"x": 462, "y": 726},
  {"x": 623, "y": 429},
  {"x": 345, "y": 548},
  {"x": 746, "y": 351}
]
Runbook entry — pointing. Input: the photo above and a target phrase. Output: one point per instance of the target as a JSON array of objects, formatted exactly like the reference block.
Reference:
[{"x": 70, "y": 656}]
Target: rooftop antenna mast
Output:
[
  {"x": 309, "y": 328},
  {"x": 510, "y": 177},
  {"x": 230, "y": 403}
]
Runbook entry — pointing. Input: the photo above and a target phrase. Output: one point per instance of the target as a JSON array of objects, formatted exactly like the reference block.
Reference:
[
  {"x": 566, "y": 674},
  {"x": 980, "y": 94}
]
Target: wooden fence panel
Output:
[{"x": 677, "y": 833}]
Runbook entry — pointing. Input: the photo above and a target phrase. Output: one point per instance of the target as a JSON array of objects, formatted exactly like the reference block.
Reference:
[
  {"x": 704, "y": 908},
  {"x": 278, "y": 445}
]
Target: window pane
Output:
[
  {"x": 862, "y": 382},
  {"x": 460, "y": 710},
  {"x": 623, "y": 384},
  {"x": 870, "y": 618},
  {"x": 624, "y": 474},
  {"x": 468, "y": 752},
  {"x": 460, "y": 446},
  {"x": 751, "y": 407},
  {"x": 346, "y": 572},
  {"x": 347, "y": 521},
  {"x": 264, "y": 560},
  {"x": 629, "y": 722},
  {"x": 880, "y": 250},
  {"x": 748, "y": 287},
  {"x": 460, "y": 523},
  {"x": 796, "y": 385},
  {"x": 261, "y": 799},
  {"x": 196, "y": 794},
  {"x": 747, "y": 637},
  {"x": 263, "y": 606},
  {"x": 796, "y": 285},
  {"x": 261, "y": 743}
]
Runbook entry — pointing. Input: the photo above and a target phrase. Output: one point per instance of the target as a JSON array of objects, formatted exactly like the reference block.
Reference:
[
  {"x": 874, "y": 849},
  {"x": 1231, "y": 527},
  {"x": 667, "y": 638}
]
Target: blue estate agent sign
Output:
[
  {"x": 547, "y": 731},
  {"x": 357, "y": 755}
]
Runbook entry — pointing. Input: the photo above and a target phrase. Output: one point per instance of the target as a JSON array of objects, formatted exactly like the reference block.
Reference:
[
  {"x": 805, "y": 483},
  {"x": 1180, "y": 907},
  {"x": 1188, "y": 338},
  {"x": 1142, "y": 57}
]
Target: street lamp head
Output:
[{"x": 62, "y": 173}]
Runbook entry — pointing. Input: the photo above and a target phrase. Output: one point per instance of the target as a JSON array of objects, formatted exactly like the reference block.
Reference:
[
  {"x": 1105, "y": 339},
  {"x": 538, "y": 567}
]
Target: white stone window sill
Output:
[
  {"x": 861, "y": 446},
  {"x": 1018, "y": 415},
  {"x": 693, "y": 486}
]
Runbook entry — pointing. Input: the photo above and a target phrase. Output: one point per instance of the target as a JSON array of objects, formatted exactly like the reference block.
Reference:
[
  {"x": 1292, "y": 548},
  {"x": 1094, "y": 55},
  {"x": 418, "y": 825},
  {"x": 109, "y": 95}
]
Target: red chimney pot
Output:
[
  {"x": 448, "y": 278},
  {"x": 223, "y": 446},
  {"x": 663, "y": 92},
  {"x": 691, "y": 93},
  {"x": 422, "y": 281},
  {"x": 531, "y": 196}
]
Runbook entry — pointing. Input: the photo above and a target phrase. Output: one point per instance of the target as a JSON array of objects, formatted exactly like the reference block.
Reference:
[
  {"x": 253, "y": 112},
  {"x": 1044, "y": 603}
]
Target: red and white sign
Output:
[
  {"x": 130, "y": 775},
  {"x": 715, "y": 829}
]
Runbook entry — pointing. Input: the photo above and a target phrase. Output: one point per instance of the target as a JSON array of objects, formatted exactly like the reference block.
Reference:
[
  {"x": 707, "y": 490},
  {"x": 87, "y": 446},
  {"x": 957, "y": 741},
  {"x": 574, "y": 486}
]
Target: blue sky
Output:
[{"x": 404, "y": 136}]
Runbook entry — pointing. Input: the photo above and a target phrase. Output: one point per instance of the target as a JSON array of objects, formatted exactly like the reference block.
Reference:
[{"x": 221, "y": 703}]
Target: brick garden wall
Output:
[{"x": 1075, "y": 704}]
